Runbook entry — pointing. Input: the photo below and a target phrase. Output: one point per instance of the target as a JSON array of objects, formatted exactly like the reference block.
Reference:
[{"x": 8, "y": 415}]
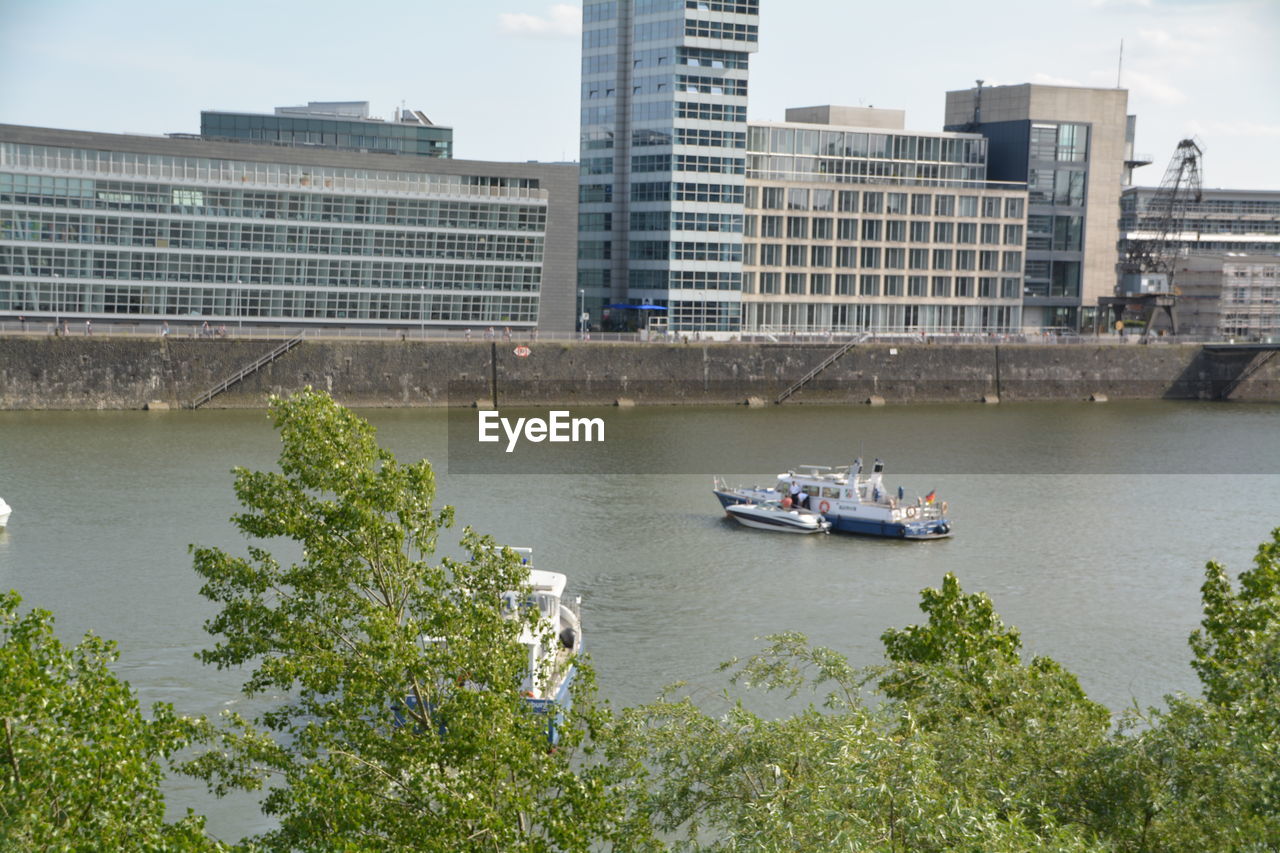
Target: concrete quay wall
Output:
[{"x": 128, "y": 373}]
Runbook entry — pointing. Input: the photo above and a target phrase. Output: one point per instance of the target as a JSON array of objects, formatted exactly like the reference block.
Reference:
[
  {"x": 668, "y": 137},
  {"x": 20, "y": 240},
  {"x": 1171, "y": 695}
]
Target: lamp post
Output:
[{"x": 581, "y": 303}]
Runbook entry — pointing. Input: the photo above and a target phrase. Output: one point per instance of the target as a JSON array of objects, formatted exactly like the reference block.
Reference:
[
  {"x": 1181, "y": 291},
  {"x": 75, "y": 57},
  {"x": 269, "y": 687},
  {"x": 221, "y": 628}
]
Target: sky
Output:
[{"x": 505, "y": 73}]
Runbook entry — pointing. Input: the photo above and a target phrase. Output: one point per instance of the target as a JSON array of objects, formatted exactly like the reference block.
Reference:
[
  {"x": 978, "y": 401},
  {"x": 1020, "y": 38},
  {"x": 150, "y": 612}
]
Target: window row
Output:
[
  {"x": 811, "y": 317},
  {"x": 875, "y": 257},
  {"x": 250, "y": 204},
  {"x": 877, "y": 285},
  {"x": 684, "y": 280},
  {"x": 882, "y": 230},
  {"x": 245, "y": 237},
  {"x": 224, "y": 305},
  {"x": 125, "y": 165},
  {"x": 876, "y": 201},
  {"x": 857, "y": 144},
  {"x": 150, "y": 266}
]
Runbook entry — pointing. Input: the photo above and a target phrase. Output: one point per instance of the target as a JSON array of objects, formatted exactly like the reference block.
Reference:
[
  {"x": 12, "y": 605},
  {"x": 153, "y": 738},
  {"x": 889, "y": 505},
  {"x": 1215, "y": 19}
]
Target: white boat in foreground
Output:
[
  {"x": 772, "y": 515},
  {"x": 551, "y": 667},
  {"x": 5, "y": 509}
]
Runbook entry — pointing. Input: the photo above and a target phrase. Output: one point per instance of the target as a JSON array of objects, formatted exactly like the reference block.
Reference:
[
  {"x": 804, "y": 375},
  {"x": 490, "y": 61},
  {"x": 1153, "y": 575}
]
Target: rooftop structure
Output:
[{"x": 344, "y": 125}]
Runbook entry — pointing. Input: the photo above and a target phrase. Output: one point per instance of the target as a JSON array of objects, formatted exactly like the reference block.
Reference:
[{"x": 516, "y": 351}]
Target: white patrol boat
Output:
[
  {"x": 852, "y": 501},
  {"x": 774, "y": 515},
  {"x": 551, "y": 667}
]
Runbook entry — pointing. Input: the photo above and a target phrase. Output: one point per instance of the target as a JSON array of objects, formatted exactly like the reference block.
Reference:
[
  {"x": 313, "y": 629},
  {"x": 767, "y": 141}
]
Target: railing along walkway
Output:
[{"x": 245, "y": 371}]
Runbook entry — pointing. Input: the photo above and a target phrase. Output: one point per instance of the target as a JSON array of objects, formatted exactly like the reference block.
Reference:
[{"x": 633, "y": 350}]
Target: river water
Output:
[{"x": 1088, "y": 524}]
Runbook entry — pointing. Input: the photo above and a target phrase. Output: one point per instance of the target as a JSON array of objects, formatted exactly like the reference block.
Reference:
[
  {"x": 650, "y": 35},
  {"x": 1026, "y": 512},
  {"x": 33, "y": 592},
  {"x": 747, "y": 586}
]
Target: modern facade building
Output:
[
  {"x": 1221, "y": 221},
  {"x": 344, "y": 125},
  {"x": 1229, "y": 296},
  {"x": 1072, "y": 148},
  {"x": 664, "y": 129},
  {"x": 133, "y": 228},
  {"x": 854, "y": 224}
]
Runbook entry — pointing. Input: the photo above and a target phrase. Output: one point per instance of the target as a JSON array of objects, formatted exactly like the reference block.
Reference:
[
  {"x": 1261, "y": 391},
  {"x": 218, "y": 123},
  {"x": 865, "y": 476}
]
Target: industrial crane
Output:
[
  {"x": 1147, "y": 266},
  {"x": 1146, "y": 270}
]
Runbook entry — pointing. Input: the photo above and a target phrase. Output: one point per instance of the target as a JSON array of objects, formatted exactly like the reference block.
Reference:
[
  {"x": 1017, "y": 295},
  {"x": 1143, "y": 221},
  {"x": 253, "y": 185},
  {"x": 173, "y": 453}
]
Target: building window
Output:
[
  {"x": 942, "y": 286},
  {"x": 822, "y": 229},
  {"x": 893, "y": 285},
  {"x": 820, "y": 256},
  {"x": 942, "y": 232},
  {"x": 795, "y": 282},
  {"x": 944, "y": 205},
  {"x": 871, "y": 229},
  {"x": 917, "y": 285},
  {"x": 872, "y": 202},
  {"x": 797, "y": 227},
  {"x": 845, "y": 284},
  {"x": 870, "y": 285},
  {"x": 870, "y": 258},
  {"x": 820, "y": 284}
]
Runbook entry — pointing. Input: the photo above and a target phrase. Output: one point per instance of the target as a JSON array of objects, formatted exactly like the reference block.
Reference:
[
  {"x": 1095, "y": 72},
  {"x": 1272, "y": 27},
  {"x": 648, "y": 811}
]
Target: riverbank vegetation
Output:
[{"x": 384, "y": 730}]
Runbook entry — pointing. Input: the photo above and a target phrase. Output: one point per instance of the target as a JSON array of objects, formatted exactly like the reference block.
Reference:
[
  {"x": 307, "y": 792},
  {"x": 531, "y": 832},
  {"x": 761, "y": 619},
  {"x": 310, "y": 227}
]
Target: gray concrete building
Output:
[
  {"x": 134, "y": 228},
  {"x": 1229, "y": 296},
  {"x": 1072, "y": 147},
  {"x": 870, "y": 227}
]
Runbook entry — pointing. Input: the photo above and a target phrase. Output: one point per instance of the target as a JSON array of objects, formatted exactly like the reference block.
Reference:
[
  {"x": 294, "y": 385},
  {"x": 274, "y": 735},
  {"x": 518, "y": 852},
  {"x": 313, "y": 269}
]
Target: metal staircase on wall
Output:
[
  {"x": 827, "y": 362},
  {"x": 1254, "y": 365},
  {"x": 245, "y": 371}
]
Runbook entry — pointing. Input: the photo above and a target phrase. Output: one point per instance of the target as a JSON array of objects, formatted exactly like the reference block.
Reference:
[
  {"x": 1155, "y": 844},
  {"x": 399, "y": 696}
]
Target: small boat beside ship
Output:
[
  {"x": 772, "y": 515},
  {"x": 851, "y": 500}
]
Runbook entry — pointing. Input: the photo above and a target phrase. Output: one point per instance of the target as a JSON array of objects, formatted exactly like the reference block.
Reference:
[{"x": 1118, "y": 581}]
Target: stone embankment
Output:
[{"x": 130, "y": 373}]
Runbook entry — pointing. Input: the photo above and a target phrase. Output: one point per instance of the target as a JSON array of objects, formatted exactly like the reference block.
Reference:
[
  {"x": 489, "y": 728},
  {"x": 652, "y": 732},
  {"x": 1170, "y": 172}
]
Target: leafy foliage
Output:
[
  {"x": 79, "y": 765},
  {"x": 396, "y": 721}
]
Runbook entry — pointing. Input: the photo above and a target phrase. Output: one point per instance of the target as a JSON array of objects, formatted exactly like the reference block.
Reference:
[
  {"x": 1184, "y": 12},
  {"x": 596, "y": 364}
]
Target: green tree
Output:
[
  {"x": 79, "y": 765},
  {"x": 1204, "y": 773},
  {"x": 396, "y": 721},
  {"x": 970, "y": 751}
]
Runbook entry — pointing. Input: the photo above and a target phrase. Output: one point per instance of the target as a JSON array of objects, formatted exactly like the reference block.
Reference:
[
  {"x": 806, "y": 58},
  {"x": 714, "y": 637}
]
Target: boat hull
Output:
[{"x": 842, "y": 523}]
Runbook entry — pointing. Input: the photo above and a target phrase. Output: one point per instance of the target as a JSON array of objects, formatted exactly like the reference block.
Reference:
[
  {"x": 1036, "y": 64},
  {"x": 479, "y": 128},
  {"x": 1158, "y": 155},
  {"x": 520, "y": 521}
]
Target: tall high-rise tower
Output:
[{"x": 664, "y": 132}]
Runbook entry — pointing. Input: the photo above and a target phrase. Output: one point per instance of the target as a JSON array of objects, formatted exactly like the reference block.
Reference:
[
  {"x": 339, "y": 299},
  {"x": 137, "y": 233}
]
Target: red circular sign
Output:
[{"x": 522, "y": 351}]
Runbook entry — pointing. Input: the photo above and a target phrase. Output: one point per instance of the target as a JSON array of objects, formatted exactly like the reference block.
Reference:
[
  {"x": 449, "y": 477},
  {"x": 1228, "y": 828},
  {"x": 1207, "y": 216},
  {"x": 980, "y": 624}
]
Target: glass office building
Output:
[
  {"x": 137, "y": 228},
  {"x": 878, "y": 229},
  {"x": 344, "y": 125},
  {"x": 663, "y": 130},
  {"x": 1071, "y": 146}
]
